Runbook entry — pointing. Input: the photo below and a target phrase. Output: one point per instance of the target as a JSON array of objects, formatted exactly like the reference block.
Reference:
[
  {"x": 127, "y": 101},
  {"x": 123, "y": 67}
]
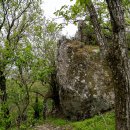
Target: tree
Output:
[
  {"x": 27, "y": 56},
  {"x": 15, "y": 18},
  {"x": 119, "y": 63},
  {"x": 45, "y": 49}
]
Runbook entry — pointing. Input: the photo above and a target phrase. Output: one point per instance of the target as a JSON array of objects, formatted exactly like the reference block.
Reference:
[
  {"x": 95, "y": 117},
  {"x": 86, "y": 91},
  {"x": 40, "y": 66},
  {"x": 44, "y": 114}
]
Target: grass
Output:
[
  {"x": 57, "y": 121},
  {"x": 100, "y": 122}
]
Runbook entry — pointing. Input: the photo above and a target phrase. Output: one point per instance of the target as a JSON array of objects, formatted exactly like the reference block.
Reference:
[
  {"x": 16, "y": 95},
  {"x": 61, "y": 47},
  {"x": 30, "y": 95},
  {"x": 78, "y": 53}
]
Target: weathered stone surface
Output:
[{"x": 85, "y": 85}]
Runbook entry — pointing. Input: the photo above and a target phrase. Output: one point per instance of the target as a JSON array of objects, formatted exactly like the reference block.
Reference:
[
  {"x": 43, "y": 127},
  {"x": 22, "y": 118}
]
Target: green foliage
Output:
[
  {"x": 51, "y": 27},
  {"x": 24, "y": 56},
  {"x": 83, "y": 3},
  {"x": 4, "y": 120},
  {"x": 27, "y": 58}
]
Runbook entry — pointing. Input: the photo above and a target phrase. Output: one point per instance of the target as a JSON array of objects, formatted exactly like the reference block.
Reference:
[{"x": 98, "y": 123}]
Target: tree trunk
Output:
[
  {"x": 120, "y": 65},
  {"x": 117, "y": 59},
  {"x": 97, "y": 28},
  {"x": 55, "y": 92},
  {"x": 36, "y": 108},
  {"x": 44, "y": 109},
  {"x": 3, "y": 98},
  {"x": 3, "y": 87}
]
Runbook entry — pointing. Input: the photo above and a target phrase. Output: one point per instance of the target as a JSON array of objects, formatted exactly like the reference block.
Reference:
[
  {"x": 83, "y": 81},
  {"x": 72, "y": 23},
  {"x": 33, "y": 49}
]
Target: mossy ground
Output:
[{"x": 100, "y": 122}]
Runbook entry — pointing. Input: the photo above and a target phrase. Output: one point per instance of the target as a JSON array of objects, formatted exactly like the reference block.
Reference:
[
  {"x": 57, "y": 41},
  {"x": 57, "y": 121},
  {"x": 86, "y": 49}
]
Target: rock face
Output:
[{"x": 85, "y": 86}]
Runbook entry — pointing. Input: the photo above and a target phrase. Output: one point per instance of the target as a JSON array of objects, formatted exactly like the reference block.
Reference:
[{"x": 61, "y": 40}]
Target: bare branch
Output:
[
  {"x": 14, "y": 19},
  {"x": 5, "y": 13}
]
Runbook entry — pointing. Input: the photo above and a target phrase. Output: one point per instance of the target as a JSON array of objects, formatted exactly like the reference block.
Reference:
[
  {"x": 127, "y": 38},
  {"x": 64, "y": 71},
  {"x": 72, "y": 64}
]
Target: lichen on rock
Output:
[{"x": 85, "y": 85}]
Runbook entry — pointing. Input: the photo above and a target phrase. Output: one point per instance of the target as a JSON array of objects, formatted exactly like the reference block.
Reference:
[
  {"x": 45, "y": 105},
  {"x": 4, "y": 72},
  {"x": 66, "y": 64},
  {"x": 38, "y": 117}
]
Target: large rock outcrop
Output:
[{"x": 85, "y": 86}]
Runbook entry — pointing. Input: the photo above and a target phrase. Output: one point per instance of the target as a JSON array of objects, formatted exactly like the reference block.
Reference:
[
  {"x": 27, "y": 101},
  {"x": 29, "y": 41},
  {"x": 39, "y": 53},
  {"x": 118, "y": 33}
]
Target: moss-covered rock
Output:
[{"x": 85, "y": 84}]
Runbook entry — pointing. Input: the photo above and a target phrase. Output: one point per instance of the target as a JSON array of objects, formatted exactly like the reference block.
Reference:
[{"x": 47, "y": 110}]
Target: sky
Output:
[{"x": 50, "y": 6}]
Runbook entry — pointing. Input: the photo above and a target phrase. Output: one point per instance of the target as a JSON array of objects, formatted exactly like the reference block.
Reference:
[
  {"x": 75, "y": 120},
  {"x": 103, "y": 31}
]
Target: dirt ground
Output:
[{"x": 50, "y": 127}]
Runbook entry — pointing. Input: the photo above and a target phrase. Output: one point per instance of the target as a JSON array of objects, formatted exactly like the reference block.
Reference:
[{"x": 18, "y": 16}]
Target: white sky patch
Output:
[{"x": 50, "y": 6}]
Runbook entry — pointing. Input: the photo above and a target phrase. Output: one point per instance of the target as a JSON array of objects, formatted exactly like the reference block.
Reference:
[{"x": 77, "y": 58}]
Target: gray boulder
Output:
[{"x": 85, "y": 86}]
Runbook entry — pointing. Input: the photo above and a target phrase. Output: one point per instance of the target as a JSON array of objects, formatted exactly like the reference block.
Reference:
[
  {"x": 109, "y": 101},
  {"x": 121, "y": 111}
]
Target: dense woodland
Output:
[{"x": 28, "y": 55}]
